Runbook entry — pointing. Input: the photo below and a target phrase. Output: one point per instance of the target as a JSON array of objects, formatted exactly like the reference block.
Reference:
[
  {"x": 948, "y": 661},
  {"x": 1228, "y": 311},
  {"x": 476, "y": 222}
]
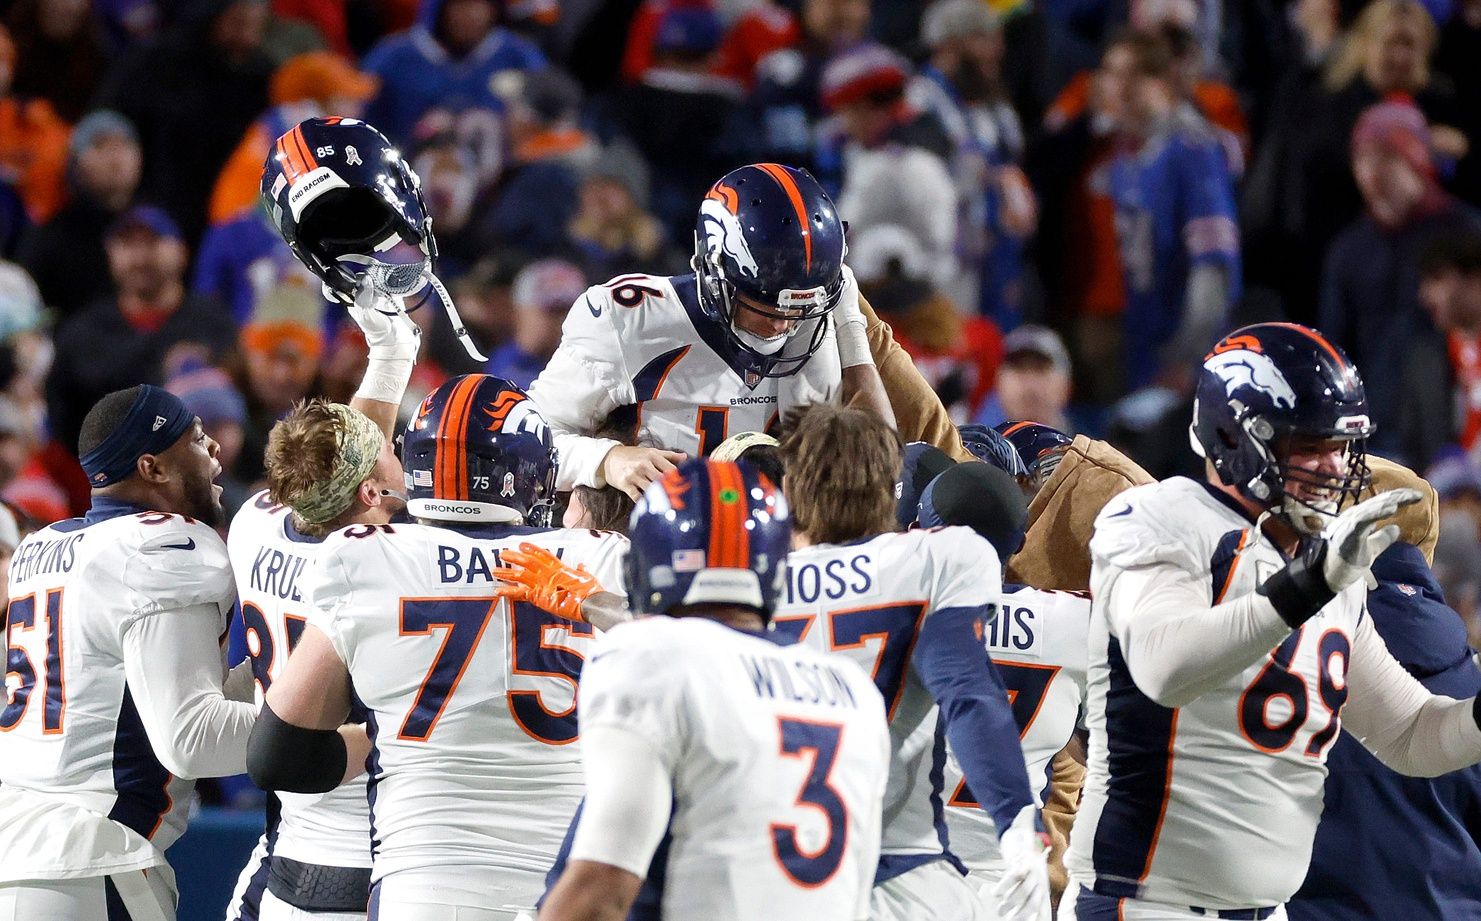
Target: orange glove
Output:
[{"x": 535, "y": 575}]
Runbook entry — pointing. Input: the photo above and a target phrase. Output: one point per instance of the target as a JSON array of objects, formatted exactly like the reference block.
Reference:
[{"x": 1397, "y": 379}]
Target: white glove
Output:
[
  {"x": 850, "y": 326},
  {"x": 1354, "y": 539},
  {"x": 240, "y": 684},
  {"x": 394, "y": 339},
  {"x": 1023, "y": 891}
]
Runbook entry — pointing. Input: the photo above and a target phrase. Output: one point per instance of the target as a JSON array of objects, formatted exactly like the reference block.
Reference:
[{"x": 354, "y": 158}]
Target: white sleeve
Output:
[
  {"x": 1176, "y": 646},
  {"x": 1409, "y": 729},
  {"x": 583, "y": 382},
  {"x": 628, "y": 797},
  {"x": 172, "y": 661}
]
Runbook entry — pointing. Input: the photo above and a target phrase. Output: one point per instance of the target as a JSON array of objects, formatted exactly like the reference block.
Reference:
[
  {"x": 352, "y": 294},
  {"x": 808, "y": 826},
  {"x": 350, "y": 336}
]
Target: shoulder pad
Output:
[
  {"x": 173, "y": 562},
  {"x": 1147, "y": 524}
]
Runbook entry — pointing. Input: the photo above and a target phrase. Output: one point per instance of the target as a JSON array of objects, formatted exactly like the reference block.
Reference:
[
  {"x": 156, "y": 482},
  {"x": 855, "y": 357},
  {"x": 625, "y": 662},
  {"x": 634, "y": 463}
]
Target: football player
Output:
[
  {"x": 470, "y": 699},
  {"x": 752, "y": 768},
  {"x": 115, "y": 672},
  {"x": 1037, "y": 645},
  {"x": 329, "y": 466},
  {"x": 1229, "y": 646},
  {"x": 911, "y": 608},
  {"x": 730, "y": 347},
  {"x": 1040, "y": 447}
]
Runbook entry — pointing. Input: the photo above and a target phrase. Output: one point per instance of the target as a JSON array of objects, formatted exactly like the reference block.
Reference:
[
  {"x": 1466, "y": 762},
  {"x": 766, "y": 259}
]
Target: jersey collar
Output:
[{"x": 106, "y": 509}]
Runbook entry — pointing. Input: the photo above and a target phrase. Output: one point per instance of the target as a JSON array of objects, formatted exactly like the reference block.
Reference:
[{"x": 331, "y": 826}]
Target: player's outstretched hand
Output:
[
  {"x": 631, "y": 469},
  {"x": 1354, "y": 539},
  {"x": 388, "y": 330},
  {"x": 1023, "y": 891},
  {"x": 536, "y": 575}
]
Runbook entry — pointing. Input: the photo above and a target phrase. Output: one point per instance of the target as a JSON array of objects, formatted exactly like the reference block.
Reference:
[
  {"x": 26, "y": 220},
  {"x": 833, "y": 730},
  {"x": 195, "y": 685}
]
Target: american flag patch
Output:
[
  {"x": 1409, "y": 590},
  {"x": 688, "y": 560},
  {"x": 421, "y": 478}
]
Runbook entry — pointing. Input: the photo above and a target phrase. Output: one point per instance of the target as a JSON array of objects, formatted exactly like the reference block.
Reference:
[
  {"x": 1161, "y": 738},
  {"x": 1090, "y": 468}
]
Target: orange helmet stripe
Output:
[
  {"x": 794, "y": 194},
  {"x": 729, "y": 542},
  {"x": 450, "y": 473},
  {"x": 1319, "y": 339}
]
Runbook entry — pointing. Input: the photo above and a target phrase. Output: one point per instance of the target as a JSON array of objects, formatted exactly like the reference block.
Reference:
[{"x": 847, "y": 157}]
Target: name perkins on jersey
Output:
[{"x": 44, "y": 556}]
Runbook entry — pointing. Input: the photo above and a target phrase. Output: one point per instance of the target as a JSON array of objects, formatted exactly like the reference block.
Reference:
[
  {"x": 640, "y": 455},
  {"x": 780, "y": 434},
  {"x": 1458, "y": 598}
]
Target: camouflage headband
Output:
[{"x": 359, "y": 442}]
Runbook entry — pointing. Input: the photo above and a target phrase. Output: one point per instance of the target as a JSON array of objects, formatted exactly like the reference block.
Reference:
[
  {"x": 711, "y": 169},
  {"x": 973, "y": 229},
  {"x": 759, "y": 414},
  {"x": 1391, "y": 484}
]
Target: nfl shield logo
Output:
[
  {"x": 752, "y": 379},
  {"x": 1409, "y": 590}
]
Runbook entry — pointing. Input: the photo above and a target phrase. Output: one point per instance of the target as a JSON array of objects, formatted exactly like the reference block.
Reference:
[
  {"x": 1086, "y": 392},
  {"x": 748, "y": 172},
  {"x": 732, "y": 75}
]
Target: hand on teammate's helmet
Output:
[
  {"x": 631, "y": 469},
  {"x": 1023, "y": 891},
  {"x": 536, "y": 575},
  {"x": 388, "y": 330},
  {"x": 1354, "y": 539}
]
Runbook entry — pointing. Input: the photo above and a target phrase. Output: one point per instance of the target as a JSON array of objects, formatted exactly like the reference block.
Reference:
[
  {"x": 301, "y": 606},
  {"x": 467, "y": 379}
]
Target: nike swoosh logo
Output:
[
  {"x": 1125, "y": 511},
  {"x": 188, "y": 545},
  {"x": 595, "y": 310}
]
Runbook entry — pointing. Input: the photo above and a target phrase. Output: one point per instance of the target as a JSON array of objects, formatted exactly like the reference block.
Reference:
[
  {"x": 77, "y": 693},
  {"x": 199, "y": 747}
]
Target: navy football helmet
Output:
[
  {"x": 988, "y": 446},
  {"x": 708, "y": 532},
  {"x": 1041, "y": 447},
  {"x": 479, "y": 450},
  {"x": 1264, "y": 386},
  {"x": 770, "y": 233},
  {"x": 345, "y": 201}
]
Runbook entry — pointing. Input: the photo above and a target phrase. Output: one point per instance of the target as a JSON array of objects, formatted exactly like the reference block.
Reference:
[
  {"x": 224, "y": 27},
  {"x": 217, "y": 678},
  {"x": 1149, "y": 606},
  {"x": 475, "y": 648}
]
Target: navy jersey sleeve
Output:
[{"x": 1209, "y": 228}]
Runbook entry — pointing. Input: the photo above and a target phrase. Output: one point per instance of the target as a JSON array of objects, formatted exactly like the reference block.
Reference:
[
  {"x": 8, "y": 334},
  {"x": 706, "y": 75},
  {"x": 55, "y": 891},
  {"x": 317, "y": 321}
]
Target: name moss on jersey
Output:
[
  {"x": 1215, "y": 803},
  {"x": 471, "y": 701},
  {"x": 1037, "y": 644},
  {"x": 867, "y": 602},
  {"x": 778, "y": 757},
  {"x": 72, "y": 747},
  {"x": 641, "y": 343}
]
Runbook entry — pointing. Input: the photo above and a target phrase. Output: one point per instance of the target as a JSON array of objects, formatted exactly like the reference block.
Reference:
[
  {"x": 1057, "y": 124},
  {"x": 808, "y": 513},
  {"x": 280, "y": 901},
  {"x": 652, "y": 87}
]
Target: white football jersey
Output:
[
  {"x": 867, "y": 601},
  {"x": 272, "y": 562},
  {"x": 777, "y": 754},
  {"x": 81, "y": 790},
  {"x": 471, "y": 702},
  {"x": 1214, "y": 804},
  {"x": 1037, "y": 644},
  {"x": 641, "y": 344}
]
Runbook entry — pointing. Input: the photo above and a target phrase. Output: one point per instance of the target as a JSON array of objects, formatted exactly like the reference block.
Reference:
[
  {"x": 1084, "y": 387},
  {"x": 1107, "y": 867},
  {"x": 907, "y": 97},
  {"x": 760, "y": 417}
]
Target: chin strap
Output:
[{"x": 459, "y": 329}]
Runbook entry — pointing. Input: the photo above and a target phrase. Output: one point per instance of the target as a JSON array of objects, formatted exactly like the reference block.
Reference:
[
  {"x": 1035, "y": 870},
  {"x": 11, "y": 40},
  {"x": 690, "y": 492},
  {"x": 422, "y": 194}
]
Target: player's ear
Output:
[
  {"x": 149, "y": 469},
  {"x": 368, "y": 494}
]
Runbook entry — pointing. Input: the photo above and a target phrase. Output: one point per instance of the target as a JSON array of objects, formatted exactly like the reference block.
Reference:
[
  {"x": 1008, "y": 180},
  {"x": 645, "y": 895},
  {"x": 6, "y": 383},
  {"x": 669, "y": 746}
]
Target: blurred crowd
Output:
[{"x": 1057, "y": 204}]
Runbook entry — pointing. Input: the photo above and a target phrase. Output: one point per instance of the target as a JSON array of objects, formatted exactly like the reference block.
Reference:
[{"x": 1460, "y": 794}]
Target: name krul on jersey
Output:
[
  {"x": 832, "y": 579},
  {"x": 798, "y": 681},
  {"x": 276, "y": 573}
]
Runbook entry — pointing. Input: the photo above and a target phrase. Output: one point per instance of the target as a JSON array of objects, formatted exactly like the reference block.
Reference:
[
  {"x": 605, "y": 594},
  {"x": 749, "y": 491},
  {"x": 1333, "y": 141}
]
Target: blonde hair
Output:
[
  {"x": 1362, "y": 41},
  {"x": 840, "y": 470},
  {"x": 302, "y": 450}
]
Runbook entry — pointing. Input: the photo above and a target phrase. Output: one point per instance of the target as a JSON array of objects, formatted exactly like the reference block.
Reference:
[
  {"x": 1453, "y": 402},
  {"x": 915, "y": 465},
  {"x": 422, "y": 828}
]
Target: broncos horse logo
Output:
[
  {"x": 1241, "y": 368},
  {"x": 513, "y": 412},
  {"x": 722, "y": 229}
]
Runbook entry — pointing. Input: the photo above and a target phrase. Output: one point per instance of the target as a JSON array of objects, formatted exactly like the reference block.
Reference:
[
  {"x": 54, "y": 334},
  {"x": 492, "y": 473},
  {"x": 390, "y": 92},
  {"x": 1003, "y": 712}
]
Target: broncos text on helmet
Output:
[
  {"x": 708, "y": 532},
  {"x": 1266, "y": 387},
  {"x": 479, "y": 450},
  {"x": 768, "y": 233}
]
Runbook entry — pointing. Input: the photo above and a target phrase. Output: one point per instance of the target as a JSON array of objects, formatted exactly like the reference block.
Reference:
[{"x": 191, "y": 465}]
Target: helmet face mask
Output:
[
  {"x": 1272, "y": 400},
  {"x": 769, "y": 241}
]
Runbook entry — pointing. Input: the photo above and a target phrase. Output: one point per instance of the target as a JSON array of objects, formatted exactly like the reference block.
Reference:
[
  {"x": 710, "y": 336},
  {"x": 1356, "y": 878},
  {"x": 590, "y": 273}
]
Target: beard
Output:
[{"x": 201, "y": 502}]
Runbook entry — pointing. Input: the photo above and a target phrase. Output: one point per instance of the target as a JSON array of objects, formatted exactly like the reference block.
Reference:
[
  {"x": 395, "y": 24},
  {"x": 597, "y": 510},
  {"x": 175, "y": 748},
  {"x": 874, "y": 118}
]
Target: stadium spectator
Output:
[
  {"x": 612, "y": 233},
  {"x": 957, "y": 353},
  {"x": 1298, "y": 202},
  {"x": 678, "y": 115},
  {"x": 60, "y": 56},
  {"x": 191, "y": 93},
  {"x": 549, "y": 151},
  {"x": 65, "y": 255},
  {"x": 1441, "y": 368},
  {"x": 544, "y": 292},
  {"x": 210, "y": 394},
  {"x": 309, "y": 85},
  {"x": 785, "y": 105},
  {"x": 485, "y": 298},
  {"x": 281, "y": 347},
  {"x": 962, "y": 86},
  {"x": 1033, "y": 381},
  {"x": 1370, "y": 280},
  {"x": 146, "y": 324},
  {"x": 1175, "y": 217},
  {"x": 243, "y": 261},
  {"x": 33, "y": 142},
  {"x": 887, "y": 159},
  {"x": 445, "y": 66}
]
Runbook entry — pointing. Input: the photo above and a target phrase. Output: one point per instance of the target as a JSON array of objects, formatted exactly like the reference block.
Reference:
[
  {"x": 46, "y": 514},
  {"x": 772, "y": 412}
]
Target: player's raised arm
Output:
[{"x": 862, "y": 386}]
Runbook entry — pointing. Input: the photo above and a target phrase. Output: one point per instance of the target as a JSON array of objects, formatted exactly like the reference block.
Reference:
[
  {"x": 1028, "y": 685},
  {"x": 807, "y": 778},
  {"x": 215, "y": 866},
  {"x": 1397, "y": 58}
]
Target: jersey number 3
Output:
[{"x": 813, "y": 867}]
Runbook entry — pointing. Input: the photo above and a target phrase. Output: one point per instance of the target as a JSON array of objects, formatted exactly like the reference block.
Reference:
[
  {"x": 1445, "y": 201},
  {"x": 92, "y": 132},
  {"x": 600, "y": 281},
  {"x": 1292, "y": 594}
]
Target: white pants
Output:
[
  {"x": 275, "y": 909},
  {"x": 1081, "y": 905},
  {"x": 135, "y": 896},
  {"x": 931, "y": 892},
  {"x": 456, "y": 894}
]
